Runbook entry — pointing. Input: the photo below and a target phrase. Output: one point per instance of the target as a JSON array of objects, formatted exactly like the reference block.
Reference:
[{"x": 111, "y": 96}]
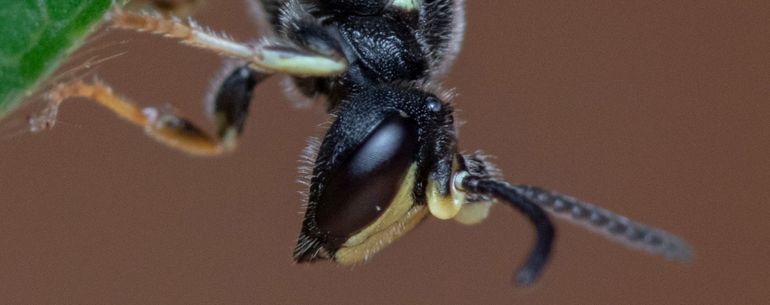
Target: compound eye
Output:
[{"x": 362, "y": 187}]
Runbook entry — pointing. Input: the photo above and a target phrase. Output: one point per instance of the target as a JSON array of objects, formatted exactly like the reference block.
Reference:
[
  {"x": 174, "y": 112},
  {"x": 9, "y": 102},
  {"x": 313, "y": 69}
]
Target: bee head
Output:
[{"x": 369, "y": 180}]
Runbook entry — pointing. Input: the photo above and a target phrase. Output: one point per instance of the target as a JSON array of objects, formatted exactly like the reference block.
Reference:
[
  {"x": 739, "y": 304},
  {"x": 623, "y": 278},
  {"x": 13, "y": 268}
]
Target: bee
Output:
[
  {"x": 390, "y": 157},
  {"x": 169, "y": 7}
]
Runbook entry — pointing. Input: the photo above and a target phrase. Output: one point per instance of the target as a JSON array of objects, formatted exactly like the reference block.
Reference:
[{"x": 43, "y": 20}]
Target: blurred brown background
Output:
[{"x": 655, "y": 109}]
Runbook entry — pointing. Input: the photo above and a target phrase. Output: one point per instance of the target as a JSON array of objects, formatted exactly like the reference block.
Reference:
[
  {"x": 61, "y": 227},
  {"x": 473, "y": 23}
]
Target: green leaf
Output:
[{"x": 35, "y": 35}]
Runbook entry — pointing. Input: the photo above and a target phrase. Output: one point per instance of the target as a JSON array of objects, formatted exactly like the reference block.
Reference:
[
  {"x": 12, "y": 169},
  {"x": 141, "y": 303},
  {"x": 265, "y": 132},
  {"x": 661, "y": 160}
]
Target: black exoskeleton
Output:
[
  {"x": 390, "y": 157},
  {"x": 389, "y": 58},
  {"x": 393, "y": 133}
]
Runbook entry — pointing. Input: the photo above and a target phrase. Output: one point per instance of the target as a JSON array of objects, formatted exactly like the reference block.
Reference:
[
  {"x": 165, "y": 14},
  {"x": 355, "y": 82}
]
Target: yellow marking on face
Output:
[
  {"x": 473, "y": 213},
  {"x": 407, "y": 5},
  {"x": 454, "y": 205},
  {"x": 401, "y": 216},
  {"x": 445, "y": 207}
]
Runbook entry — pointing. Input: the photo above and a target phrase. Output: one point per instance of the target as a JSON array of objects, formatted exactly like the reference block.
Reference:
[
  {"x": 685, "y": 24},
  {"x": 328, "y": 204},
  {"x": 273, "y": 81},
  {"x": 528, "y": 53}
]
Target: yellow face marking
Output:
[
  {"x": 401, "y": 216},
  {"x": 407, "y": 5},
  {"x": 454, "y": 205},
  {"x": 445, "y": 207},
  {"x": 473, "y": 213}
]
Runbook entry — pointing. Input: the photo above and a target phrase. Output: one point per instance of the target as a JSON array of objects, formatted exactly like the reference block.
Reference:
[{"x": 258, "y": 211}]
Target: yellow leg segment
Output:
[
  {"x": 166, "y": 128},
  {"x": 264, "y": 57}
]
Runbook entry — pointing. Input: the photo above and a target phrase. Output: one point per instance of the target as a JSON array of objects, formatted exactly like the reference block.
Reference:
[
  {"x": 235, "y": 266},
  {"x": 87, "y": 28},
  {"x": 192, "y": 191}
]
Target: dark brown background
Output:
[{"x": 655, "y": 109}]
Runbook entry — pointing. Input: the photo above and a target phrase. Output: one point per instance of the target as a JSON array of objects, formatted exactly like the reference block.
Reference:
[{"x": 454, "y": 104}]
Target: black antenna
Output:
[
  {"x": 515, "y": 197},
  {"x": 533, "y": 201},
  {"x": 613, "y": 226}
]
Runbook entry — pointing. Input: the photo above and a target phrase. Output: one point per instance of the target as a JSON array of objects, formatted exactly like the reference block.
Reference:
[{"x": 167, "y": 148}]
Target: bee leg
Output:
[
  {"x": 300, "y": 28},
  {"x": 182, "y": 8},
  {"x": 269, "y": 56},
  {"x": 297, "y": 26},
  {"x": 442, "y": 25},
  {"x": 231, "y": 106},
  {"x": 231, "y": 103}
]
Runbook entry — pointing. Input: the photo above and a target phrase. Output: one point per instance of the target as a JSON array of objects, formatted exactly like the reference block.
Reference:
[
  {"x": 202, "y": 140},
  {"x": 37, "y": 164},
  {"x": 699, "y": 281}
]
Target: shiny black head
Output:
[
  {"x": 391, "y": 157},
  {"x": 370, "y": 175}
]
